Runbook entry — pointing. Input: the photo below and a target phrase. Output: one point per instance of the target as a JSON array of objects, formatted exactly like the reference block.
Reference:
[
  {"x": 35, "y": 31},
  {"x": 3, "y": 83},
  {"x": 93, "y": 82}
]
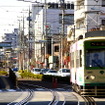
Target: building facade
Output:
[
  {"x": 89, "y": 15},
  {"x": 47, "y": 19}
]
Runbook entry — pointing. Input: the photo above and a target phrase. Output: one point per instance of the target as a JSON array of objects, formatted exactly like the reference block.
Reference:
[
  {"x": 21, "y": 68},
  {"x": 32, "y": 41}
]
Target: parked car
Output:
[
  {"x": 51, "y": 72},
  {"x": 36, "y": 70},
  {"x": 63, "y": 72},
  {"x": 44, "y": 70}
]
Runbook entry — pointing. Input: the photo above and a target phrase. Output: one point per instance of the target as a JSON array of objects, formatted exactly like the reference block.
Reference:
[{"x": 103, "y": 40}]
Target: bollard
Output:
[{"x": 54, "y": 82}]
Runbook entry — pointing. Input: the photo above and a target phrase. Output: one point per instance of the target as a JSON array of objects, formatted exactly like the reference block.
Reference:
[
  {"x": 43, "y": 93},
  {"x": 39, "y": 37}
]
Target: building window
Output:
[
  {"x": 56, "y": 48},
  {"x": 103, "y": 22},
  {"x": 80, "y": 4},
  {"x": 68, "y": 6},
  {"x": 68, "y": 19},
  {"x": 53, "y": 5},
  {"x": 58, "y": 6},
  {"x": 72, "y": 6},
  {"x": 103, "y": 3},
  {"x": 80, "y": 23}
]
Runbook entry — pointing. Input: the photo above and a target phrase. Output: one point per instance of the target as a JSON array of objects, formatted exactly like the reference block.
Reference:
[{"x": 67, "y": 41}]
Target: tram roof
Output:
[{"x": 95, "y": 34}]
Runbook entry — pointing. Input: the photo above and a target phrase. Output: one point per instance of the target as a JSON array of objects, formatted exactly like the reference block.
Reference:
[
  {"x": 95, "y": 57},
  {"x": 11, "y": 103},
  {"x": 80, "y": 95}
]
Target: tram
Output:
[{"x": 88, "y": 64}]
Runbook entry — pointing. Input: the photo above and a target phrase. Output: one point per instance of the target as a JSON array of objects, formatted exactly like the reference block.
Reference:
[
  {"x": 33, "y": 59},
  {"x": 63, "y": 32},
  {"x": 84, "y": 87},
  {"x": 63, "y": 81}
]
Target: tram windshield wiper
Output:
[{"x": 97, "y": 64}]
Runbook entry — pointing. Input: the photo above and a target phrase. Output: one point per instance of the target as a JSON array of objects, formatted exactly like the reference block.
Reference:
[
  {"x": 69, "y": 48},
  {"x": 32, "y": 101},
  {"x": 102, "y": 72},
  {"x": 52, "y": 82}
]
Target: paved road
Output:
[{"x": 40, "y": 97}]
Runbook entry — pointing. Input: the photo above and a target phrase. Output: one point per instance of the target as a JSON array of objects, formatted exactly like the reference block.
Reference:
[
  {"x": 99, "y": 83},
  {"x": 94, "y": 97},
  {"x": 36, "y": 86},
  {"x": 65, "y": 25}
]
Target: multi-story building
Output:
[
  {"x": 13, "y": 38},
  {"x": 89, "y": 15},
  {"x": 10, "y": 52},
  {"x": 47, "y": 19}
]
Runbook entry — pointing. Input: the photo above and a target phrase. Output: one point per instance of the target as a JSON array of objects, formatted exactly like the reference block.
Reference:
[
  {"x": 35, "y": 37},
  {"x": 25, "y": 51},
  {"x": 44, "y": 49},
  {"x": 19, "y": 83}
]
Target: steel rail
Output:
[
  {"x": 89, "y": 100},
  {"x": 55, "y": 99},
  {"x": 25, "y": 101},
  {"x": 15, "y": 99}
]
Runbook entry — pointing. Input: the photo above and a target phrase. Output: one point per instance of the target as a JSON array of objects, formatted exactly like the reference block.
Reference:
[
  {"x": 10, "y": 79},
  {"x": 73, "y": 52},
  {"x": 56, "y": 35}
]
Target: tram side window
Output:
[
  {"x": 77, "y": 59},
  {"x": 80, "y": 58},
  {"x": 72, "y": 59}
]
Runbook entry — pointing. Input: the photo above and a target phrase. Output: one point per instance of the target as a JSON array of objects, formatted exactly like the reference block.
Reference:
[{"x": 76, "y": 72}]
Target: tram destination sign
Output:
[{"x": 97, "y": 43}]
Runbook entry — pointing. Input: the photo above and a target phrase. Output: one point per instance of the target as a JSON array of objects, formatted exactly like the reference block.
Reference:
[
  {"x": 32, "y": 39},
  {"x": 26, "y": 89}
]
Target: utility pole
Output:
[
  {"x": 19, "y": 56},
  {"x": 29, "y": 37},
  {"x": 52, "y": 51},
  {"x": 45, "y": 35},
  {"x": 23, "y": 45},
  {"x": 62, "y": 33}
]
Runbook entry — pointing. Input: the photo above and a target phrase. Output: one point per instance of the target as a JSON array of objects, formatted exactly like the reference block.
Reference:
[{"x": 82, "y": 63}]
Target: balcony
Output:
[{"x": 79, "y": 14}]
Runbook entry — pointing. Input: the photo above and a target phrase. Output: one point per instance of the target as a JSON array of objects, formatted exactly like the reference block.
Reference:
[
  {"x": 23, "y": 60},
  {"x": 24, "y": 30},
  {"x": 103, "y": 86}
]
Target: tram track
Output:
[
  {"x": 25, "y": 100},
  {"x": 57, "y": 95},
  {"x": 89, "y": 100},
  {"x": 56, "y": 99}
]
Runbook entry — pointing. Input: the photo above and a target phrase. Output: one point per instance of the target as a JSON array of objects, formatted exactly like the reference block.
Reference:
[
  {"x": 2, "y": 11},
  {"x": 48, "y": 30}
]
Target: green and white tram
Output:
[{"x": 88, "y": 65}]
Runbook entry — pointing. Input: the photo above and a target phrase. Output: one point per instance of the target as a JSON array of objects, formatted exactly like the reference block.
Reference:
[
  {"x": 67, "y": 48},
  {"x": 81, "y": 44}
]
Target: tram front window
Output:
[{"x": 95, "y": 58}]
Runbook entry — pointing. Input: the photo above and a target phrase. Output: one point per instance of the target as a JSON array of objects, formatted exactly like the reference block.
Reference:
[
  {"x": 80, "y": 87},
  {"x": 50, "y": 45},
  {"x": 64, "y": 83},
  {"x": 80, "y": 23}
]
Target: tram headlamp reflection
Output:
[{"x": 92, "y": 77}]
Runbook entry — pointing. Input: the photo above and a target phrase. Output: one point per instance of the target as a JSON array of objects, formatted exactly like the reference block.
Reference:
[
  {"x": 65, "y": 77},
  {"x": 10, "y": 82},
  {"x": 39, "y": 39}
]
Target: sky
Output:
[{"x": 10, "y": 10}]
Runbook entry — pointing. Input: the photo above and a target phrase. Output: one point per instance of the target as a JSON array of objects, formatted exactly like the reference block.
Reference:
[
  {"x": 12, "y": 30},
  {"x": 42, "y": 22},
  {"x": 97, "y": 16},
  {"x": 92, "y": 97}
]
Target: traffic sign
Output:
[{"x": 5, "y": 44}]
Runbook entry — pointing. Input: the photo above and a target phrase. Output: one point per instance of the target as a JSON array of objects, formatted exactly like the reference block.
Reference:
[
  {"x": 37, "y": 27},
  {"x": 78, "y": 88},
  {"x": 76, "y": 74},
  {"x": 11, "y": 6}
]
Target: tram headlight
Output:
[{"x": 92, "y": 77}]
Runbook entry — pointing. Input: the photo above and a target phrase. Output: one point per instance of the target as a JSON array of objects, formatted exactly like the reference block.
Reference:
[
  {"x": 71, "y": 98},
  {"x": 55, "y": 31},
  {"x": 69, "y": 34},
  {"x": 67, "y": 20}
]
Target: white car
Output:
[
  {"x": 51, "y": 72},
  {"x": 63, "y": 72},
  {"x": 43, "y": 71},
  {"x": 36, "y": 70}
]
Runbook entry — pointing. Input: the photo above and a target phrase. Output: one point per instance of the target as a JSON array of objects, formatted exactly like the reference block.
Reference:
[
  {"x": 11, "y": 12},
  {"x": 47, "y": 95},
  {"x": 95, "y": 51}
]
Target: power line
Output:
[
  {"x": 12, "y": 6},
  {"x": 43, "y": 3}
]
